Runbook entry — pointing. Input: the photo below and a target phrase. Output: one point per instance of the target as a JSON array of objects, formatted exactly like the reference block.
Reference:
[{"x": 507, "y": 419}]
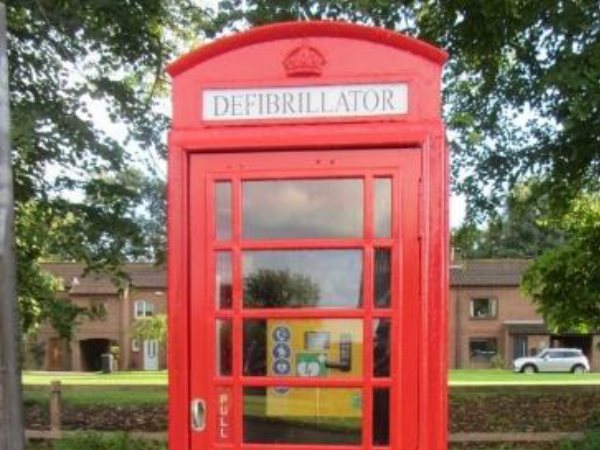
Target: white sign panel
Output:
[{"x": 354, "y": 100}]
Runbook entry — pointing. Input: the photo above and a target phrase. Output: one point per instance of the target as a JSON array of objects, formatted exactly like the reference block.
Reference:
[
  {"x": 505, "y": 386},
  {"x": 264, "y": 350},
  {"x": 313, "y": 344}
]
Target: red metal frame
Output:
[
  {"x": 411, "y": 149},
  {"x": 207, "y": 169}
]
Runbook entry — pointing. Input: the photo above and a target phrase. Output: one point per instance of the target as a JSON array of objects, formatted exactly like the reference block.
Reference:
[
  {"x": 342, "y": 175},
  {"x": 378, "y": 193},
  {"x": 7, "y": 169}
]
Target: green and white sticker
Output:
[{"x": 311, "y": 364}]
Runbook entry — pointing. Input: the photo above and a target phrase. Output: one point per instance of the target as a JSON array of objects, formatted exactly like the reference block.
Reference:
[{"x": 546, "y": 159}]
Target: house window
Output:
[
  {"x": 483, "y": 349},
  {"x": 484, "y": 308},
  {"x": 143, "y": 308},
  {"x": 135, "y": 345}
]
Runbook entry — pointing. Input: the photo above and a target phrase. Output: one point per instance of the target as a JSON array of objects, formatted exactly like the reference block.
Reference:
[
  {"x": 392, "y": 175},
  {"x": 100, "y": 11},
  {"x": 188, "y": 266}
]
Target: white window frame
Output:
[
  {"x": 135, "y": 345},
  {"x": 146, "y": 310},
  {"x": 493, "y": 308}
]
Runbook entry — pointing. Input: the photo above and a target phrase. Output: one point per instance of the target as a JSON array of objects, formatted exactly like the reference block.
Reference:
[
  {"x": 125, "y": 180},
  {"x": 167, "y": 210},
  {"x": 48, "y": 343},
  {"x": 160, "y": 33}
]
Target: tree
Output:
[
  {"x": 565, "y": 282},
  {"x": 522, "y": 87},
  {"x": 153, "y": 328},
  {"x": 82, "y": 194},
  {"x": 267, "y": 288},
  {"x": 519, "y": 230}
]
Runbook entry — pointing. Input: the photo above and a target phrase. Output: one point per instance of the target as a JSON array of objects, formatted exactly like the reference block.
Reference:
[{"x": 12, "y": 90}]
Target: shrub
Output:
[
  {"x": 593, "y": 422},
  {"x": 590, "y": 442},
  {"x": 105, "y": 441},
  {"x": 497, "y": 362}
]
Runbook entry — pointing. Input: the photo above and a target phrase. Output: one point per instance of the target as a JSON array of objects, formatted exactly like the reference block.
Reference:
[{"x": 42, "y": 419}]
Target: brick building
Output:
[
  {"x": 118, "y": 306},
  {"x": 490, "y": 321}
]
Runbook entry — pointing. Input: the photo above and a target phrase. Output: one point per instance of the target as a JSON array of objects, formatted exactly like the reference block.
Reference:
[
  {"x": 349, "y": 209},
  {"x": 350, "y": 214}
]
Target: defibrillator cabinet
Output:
[{"x": 308, "y": 236}]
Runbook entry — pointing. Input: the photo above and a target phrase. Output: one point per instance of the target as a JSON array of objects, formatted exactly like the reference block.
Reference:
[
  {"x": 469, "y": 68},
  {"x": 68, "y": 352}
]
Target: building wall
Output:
[
  {"x": 158, "y": 298},
  {"x": 595, "y": 363},
  {"x": 108, "y": 327},
  {"x": 116, "y": 327},
  {"x": 511, "y": 305}
]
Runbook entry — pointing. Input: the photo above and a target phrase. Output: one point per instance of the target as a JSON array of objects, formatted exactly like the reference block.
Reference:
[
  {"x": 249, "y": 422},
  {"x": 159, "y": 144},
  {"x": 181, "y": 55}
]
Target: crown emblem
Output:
[{"x": 304, "y": 61}]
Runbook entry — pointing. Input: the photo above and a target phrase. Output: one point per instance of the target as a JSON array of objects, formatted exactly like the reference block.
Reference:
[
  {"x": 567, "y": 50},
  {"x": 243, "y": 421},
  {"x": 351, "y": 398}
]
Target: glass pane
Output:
[
  {"x": 302, "y": 415},
  {"x": 224, "y": 216},
  {"x": 381, "y": 417},
  {"x": 303, "y": 347},
  {"x": 224, "y": 352},
  {"x": 281, "y": 209},
  {"x": 302, "y": 278},
  {"x": 149, "y": 309},
  {"x": 224, "y": 281},
  {"x": 383, "y": 207},
  {"x": 383, "y": 277},
  {"x": 381, "y": 347}
]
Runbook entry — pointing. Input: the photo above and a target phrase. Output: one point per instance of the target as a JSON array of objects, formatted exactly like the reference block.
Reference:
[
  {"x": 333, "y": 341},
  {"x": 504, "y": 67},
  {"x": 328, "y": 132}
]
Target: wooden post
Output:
[
  {"x": 55, "y": 407},
  {"x": 12, "y": 434}
]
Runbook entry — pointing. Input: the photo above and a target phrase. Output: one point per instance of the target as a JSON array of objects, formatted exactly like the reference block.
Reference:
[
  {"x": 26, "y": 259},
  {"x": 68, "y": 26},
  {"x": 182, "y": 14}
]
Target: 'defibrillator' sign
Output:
[{"x": 353, "y": 100}]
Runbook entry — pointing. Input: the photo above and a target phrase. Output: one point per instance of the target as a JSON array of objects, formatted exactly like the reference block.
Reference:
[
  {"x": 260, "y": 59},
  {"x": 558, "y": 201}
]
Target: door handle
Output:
[{"x": 198, "y": 414}]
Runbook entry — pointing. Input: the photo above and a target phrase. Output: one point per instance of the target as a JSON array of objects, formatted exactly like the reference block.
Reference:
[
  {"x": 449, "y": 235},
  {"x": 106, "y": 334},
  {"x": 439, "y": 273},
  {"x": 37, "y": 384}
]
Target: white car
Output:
[{"x": 554, "y": 360}]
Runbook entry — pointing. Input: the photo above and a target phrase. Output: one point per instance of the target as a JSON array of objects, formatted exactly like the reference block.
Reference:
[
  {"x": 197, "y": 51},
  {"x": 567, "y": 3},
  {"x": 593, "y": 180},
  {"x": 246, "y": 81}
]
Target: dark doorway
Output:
[
  {"x": 91, "y": 353},
  {"x": 581, "y": 341}
]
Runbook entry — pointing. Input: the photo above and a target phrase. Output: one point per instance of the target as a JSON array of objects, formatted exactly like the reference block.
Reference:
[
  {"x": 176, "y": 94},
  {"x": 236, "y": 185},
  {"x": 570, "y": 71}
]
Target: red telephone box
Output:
[{"x": 308, "y": 236}]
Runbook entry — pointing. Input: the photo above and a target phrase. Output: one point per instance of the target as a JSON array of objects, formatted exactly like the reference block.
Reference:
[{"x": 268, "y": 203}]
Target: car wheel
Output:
[
  {"x": 579, "y": 370},
  {"x": 529, "y": 369}
]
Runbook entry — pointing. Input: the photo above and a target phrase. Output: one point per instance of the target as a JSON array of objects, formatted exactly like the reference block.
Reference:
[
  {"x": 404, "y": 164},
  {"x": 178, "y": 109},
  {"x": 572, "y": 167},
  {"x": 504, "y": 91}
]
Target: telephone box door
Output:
[{"x": 303, "y": 265}]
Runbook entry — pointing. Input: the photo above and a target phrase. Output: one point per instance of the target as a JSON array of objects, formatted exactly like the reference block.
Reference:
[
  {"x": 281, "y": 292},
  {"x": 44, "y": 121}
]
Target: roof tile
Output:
[{"x": 489, "y": 272}]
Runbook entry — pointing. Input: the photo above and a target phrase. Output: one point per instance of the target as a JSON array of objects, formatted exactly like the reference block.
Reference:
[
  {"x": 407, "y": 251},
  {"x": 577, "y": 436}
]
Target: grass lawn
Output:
[
  {"x": 505, "y": 377},
  {"x": 100, "y": 379},
  {"x": 457, "y": 378},
  {"x": 150, "y": 388},
  {"x": 81, "y": 389}
]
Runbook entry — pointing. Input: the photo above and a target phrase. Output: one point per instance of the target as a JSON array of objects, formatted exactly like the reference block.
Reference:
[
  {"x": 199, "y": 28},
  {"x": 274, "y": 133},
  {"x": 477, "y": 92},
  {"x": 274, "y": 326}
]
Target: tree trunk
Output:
[{"x": 12, "y": 434}]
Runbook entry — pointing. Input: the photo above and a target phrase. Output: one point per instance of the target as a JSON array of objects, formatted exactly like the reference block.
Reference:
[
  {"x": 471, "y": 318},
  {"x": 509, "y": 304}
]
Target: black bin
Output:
[{"x": 107, "y": 363}]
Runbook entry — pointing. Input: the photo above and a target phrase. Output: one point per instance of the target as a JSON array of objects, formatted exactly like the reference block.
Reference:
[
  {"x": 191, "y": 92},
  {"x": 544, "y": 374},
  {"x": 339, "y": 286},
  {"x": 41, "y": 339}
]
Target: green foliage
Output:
[
  {"x": 594, "y": 421},
  {"x": 80, "y": 193},
  {"x": 565, "y": 282},
  {"x": 497, "y": 362},
  {"x": 151, "y": 328},
  {"x": 279, "y": 288},
  {"x": 97, "y": 312},
  {"x": 591, "y": 441},
  {"x": 521, "y": 88},
  {"x": 520, "y": 230},
  {"x": 38, "y": 301},
  {"x": 104, "y": 441},
  {"x": 62, "y": 316}
]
